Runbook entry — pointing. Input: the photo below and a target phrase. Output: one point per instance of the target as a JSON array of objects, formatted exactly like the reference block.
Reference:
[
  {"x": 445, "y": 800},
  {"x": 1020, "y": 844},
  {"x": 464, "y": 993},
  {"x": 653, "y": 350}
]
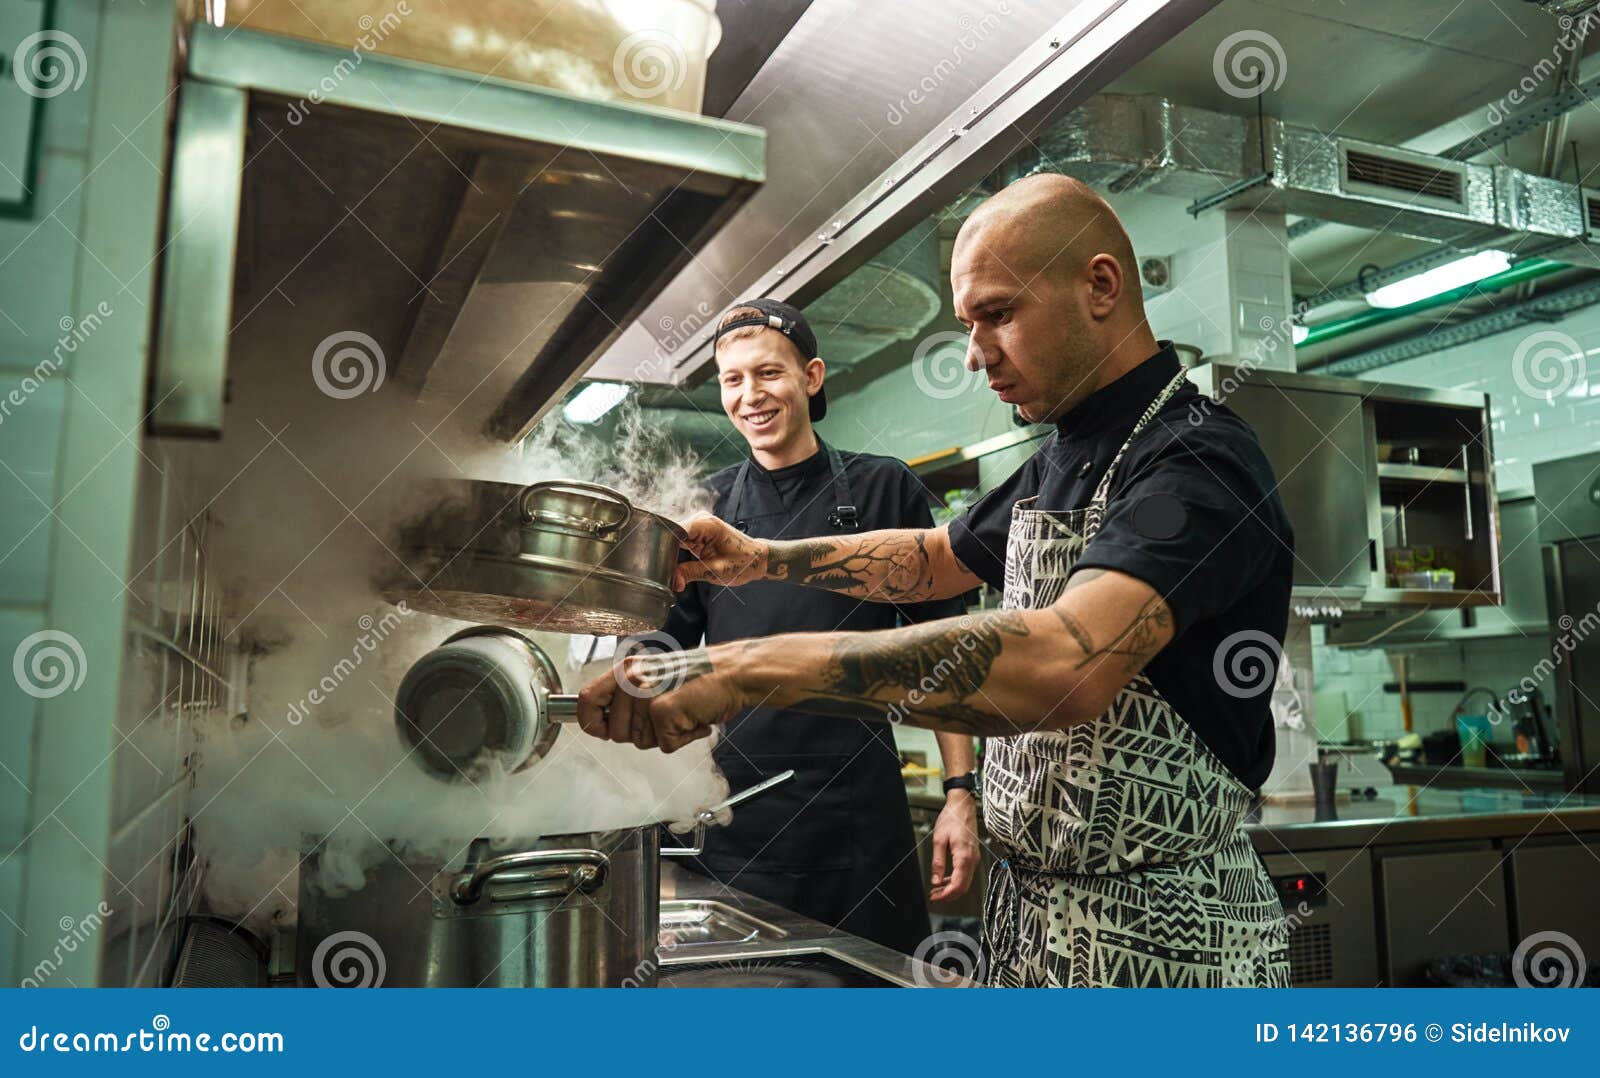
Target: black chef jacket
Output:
[
  {"x": 1194, "y": 512},
  {"x": 835, "y": 842}
]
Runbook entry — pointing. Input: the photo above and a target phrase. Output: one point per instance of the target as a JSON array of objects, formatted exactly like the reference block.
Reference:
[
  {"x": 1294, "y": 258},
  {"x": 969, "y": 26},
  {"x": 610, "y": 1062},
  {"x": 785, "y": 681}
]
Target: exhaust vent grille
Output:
[
  {"x": 1407, "y": 178},
  {"x": 1311, "y": 955}
]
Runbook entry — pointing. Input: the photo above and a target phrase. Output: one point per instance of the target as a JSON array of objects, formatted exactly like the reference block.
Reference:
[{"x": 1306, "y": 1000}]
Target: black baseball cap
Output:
[{"x": 787, "y": 320}]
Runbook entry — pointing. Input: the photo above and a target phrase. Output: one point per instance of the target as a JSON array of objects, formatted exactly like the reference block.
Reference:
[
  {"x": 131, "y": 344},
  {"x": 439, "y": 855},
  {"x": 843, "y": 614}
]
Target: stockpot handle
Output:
[
  {"x": 600, "y": 529},
  {"x": 587, "y": 872}
]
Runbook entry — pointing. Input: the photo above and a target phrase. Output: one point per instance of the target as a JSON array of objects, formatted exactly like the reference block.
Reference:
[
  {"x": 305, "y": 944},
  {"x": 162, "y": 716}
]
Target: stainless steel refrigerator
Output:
[{"x": 1568, "y": 493}]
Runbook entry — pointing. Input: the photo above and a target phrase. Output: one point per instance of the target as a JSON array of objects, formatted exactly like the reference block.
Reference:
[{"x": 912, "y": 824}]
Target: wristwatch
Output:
[{"x": 969, "y": 781}]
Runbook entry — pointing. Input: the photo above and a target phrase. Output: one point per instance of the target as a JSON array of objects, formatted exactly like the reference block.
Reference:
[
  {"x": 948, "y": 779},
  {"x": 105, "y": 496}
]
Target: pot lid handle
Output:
[{"x": 600, "y": 528}]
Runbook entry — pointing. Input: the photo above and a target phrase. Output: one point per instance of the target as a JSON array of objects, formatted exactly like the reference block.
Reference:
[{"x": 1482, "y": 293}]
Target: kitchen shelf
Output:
[
  {"x": 490, "y": 238},
  {"x": 1422, "y": 473},
  {"x": 1452, "y": 597},
  {"x": 1359, "y": 520}
]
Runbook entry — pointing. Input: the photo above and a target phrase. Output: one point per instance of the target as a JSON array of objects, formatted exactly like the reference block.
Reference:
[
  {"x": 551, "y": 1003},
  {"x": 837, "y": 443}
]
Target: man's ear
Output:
[
  {"x": 815, "y": 370},
  {"x": 1105, "y": 285}
]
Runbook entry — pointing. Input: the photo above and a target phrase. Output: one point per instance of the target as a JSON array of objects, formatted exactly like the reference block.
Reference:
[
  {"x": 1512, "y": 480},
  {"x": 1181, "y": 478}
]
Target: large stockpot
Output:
[
  {"x": 569, "y": 911},
  {"x": 557, "y": 556}
]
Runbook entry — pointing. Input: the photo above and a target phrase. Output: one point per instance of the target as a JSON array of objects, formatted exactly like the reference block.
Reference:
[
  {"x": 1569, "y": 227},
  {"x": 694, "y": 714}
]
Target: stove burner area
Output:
[{"x": 794, "y": 971}]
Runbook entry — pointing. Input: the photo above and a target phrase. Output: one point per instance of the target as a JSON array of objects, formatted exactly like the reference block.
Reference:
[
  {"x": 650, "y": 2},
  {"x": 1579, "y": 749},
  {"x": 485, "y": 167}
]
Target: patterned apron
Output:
[{"x": 1123, "y": 857}]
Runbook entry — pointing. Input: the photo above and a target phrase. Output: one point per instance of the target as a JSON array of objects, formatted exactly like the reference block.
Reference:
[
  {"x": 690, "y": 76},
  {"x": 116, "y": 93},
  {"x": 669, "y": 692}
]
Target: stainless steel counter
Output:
[
  {"x": 719, "y": 922},
  {"x": 1409, "y": 814}
]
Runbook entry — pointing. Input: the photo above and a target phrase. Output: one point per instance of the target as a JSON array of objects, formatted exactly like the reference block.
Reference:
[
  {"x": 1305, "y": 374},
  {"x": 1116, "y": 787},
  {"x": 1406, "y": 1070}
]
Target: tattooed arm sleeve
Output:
[
  {"x": 993, "y": 674},
  {"x": 896, "y": 566}
]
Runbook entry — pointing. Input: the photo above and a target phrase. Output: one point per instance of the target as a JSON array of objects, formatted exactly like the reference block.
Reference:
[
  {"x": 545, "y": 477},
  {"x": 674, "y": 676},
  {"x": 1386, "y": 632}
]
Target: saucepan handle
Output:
[
  {"x": 582, "y": 870},
  {"x": 707, "y": 816},
  {"x": 600, "y": 529}
]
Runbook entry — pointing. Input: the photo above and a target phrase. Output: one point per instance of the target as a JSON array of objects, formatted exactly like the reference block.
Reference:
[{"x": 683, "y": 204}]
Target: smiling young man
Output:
[
  {"x": 1141, "y": 554},
  {"x": 835, "y": 842}
]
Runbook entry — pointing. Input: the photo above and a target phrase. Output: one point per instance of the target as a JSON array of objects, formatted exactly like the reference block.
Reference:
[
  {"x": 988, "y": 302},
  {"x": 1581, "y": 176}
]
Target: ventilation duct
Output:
[{"x": 1122, "y": 143}]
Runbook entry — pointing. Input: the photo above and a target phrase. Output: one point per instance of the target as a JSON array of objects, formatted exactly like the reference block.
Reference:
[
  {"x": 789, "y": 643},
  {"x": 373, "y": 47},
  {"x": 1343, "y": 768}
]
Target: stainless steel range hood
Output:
[
  {"x": 881, "y": 120},
  {"x": 489, "y": 238}
]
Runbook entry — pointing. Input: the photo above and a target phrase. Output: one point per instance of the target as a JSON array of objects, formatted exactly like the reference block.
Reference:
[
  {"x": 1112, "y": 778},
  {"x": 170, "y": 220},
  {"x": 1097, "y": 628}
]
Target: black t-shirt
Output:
[
  {"x": 1193, "y": 511},
  {"x": 795, "y": 502}
]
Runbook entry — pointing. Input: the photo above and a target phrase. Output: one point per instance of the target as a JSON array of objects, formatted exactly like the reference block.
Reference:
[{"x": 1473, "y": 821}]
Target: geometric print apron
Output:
[{"x": 1121, "y": 856}]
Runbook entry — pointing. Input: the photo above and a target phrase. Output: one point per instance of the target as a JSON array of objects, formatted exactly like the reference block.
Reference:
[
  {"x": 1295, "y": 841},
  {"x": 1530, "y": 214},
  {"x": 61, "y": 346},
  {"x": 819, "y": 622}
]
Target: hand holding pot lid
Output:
[{"x": 723, "y": 554}]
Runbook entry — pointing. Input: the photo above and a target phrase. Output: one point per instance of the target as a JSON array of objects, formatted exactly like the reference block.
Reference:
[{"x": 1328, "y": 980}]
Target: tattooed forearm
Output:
[
  {"x": 928, "y": 675},
  {"x": 994, "y": 674},
  {"x": 954, "y": 655},
  {"x": 891, "y": 566},
  {"x": 1137, "y": 643}
]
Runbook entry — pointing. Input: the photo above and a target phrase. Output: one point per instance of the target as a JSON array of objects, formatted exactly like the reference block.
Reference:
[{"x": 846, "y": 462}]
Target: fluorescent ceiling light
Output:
[
  {"x": 1463, "y": 271},
  {"x": 1298, "y": 333},
  {"x": 593, "y": 401}
]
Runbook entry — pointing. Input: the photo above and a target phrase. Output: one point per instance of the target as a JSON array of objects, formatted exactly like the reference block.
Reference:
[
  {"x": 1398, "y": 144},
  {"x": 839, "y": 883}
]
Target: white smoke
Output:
[{"x": 314, "y": 489}]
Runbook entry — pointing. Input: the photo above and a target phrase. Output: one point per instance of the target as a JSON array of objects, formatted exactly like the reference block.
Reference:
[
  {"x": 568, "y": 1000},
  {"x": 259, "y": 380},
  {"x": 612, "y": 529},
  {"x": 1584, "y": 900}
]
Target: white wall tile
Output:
[
  {"x": 30, "y": 442},
  {"x": 18, "y": 716},
  {"x": 38, "y": 264}
]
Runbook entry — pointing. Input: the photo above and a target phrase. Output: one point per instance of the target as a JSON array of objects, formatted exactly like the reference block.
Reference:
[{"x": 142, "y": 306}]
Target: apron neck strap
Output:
[
  {"x": 844, "y": 513},
  {"x": 1102, "y": 493}
]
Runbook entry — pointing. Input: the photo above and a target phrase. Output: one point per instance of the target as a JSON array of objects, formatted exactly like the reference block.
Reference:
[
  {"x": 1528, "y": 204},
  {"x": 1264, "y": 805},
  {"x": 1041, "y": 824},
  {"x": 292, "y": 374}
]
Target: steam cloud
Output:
[{"x": 314, "y": 492}]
